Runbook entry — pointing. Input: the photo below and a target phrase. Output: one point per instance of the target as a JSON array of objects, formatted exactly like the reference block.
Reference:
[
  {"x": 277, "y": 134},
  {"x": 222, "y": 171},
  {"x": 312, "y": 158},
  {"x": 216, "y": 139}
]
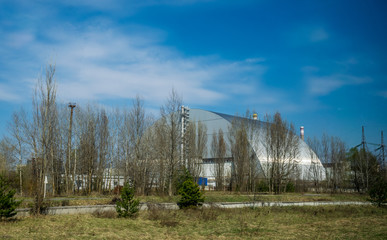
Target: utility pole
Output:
[
  {"x": 72, "y": 106},
  {"x": 382, "y": 148},
  {"x": 363, "y": 142}
]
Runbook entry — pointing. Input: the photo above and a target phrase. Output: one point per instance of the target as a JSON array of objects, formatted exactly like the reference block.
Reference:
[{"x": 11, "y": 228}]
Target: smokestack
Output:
[
  {"x": 302, "y": 132},
  {"x": 255, "y": 116}
]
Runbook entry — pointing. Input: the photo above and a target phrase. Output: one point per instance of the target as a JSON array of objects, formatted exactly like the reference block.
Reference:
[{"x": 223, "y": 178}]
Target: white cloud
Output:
[
  {"x": 324, "y": 85},
  {"x": 8, "y": 94},
  {"x": 18, "y": 39},
  {"x": 320, "y": 86},
  {"x": 99, "y": 64}
]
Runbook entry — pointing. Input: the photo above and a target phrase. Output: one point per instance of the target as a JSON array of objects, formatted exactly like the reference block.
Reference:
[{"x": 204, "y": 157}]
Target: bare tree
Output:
[
  {"x": 16, "y": 131},
  {"x": 360, "y": 161},
  {"x": 316, "y": 171},
  {"x": 57, "y": 153},
  {"x": 88, "y": 149},
  {"x": 79, "y": 132},
  {"x": 126, "y": 148},
  {"x": 3, "y": 158},
  {"x": 116, "y": 161},
  {"x": 103, "y": 146},
  {"x": 160, "y": 145},
  {"x": 41, "y": 131},
  {"x": 148, "y": 168},
  {"x": 195, "y": 147},
  {"x": 339, "y": 163},
  {"x": 201, "y": 147},
  {"x": 75, "y": 144},
  {"x": 170, "y": 112},
  {"x": 139, "y": 122},
  {"x": 364, "y": 164},
  {"x": 254, "y": 150},
  {"x": 7, "y": 159},
  {"x": 190, "y": 153},
  {"x": 333, "y": 157},
  {"x": 364, "y": 167},
  {"x": 238, "y": 138},
  {"x": 325, "y": 159},
  {"x": 282, "y": 149},
  {"x": 218, "y": 149}
]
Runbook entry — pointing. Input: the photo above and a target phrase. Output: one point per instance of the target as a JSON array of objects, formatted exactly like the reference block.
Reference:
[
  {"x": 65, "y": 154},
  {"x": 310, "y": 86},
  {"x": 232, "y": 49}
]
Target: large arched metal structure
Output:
[{"x": 309, "y": 165}]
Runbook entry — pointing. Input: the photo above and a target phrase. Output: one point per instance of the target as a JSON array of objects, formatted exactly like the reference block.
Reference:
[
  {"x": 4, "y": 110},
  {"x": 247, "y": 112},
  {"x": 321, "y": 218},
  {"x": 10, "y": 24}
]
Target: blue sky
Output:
[{"x": 322, "y": 64}]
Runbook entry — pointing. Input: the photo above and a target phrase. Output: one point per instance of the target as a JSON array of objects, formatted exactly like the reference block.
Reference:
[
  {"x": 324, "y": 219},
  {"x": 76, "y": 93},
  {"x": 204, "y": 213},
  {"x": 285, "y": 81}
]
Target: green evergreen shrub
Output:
[
  {"x": 290, "y": 187},
  {"x": 262, "y": 186},
  {"x": 8, "y": 204},
  {"x": 182, "y": 177},
  {"x": 190, "y": 193},
  {"x": 127, "y": 206}
]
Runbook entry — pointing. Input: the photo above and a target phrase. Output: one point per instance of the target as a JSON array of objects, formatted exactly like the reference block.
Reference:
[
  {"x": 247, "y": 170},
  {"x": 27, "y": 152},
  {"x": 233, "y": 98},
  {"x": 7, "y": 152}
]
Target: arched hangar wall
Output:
[{"x": 306, "y": 161}]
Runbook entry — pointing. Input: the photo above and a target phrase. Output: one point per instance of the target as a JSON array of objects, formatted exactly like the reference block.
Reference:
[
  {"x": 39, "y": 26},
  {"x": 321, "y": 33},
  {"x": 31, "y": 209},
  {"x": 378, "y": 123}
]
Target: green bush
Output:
[
  {"x": 190, "y": 193},
  {"x": 127, "y": 206},
  {"x": 183, "y": 176},
  {"x": 290, "y": 187},
  {"x": 8, "y": 204},
  {"x": 378, "y": 190},
  {"x": 262, "y": 186}
]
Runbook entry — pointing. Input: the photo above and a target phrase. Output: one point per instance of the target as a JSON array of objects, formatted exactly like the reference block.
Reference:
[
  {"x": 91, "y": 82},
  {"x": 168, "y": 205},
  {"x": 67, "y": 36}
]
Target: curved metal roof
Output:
[{"x": 215, "y": 121}]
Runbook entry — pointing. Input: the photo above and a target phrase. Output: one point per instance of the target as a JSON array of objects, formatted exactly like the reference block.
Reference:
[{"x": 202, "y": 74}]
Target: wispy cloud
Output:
[
  {"x": 8, "y": 94},
  {"x": 308, "y": 34},
  {"x": 107, "y": 63},
  {"x": 324, "y": 85},
  {"x": 318, "y": 35},
  {"x": 128, "y": 6}
]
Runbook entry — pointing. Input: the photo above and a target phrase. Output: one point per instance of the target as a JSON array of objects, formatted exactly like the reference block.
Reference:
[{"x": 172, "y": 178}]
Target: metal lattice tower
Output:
[
  {"x": 380, "y": 147},
  {"x": 184, "y": 124}
]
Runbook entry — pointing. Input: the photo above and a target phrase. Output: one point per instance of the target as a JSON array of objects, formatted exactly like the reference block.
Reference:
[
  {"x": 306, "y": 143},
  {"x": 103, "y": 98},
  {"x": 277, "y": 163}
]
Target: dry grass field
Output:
[{"x": 327, "y": 222}]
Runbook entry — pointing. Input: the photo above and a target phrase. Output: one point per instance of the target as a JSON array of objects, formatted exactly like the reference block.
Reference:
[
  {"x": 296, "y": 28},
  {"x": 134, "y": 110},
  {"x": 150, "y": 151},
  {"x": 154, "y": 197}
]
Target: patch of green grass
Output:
[{"x": 323, "y": 222}]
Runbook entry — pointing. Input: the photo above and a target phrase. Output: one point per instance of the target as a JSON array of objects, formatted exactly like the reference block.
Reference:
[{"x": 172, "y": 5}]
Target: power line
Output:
[{"x": 364, "y": 144}]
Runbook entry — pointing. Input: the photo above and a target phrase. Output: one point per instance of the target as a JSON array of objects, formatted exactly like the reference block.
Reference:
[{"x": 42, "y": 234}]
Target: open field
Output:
[
  {"x": 210, "y": 196},
  {"x": 328, "y": 222}
]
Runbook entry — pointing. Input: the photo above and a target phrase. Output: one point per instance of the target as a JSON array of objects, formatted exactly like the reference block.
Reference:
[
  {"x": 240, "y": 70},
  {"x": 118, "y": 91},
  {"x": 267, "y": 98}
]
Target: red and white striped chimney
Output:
[{"x": 302, "y": 132}]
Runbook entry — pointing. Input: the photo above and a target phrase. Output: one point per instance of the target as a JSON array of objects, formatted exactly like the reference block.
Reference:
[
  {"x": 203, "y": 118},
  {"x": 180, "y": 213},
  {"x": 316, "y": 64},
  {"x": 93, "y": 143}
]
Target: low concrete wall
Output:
[{"x": 23, "y": 212}]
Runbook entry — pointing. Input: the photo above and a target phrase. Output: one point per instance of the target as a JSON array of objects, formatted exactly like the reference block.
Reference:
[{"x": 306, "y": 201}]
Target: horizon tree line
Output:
[{"x": 105, "y": 146}]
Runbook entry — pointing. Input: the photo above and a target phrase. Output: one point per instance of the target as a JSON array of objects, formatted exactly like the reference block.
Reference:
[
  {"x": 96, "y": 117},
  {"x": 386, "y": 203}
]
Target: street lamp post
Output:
[{"x": 72, "y": 106}]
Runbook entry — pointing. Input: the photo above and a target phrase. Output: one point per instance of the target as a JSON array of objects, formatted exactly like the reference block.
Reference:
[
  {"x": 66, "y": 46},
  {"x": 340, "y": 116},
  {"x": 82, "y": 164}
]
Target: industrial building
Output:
[{"x": 308, "y": 165}]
